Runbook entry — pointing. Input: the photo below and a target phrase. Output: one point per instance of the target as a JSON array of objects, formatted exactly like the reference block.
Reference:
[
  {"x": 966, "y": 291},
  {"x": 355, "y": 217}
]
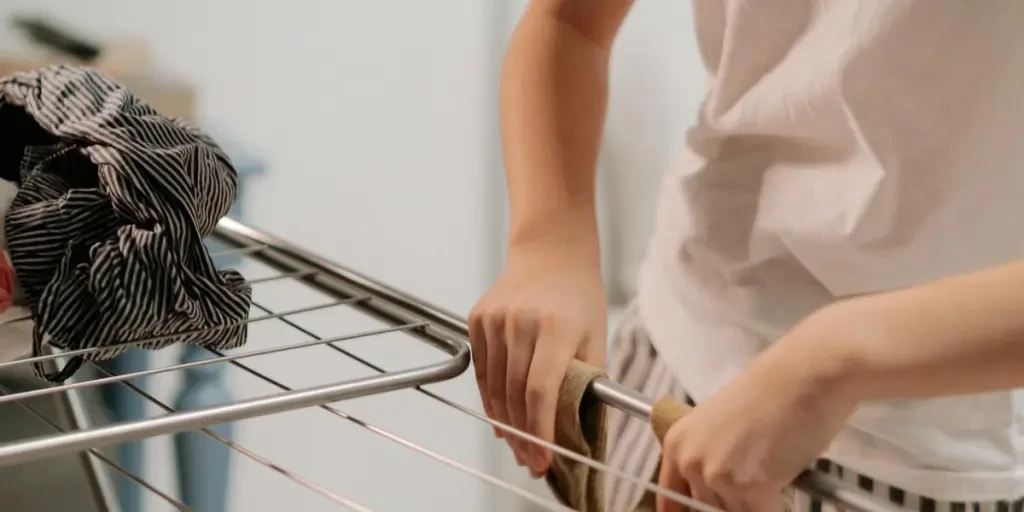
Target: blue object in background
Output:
[{"x": 203, "y": 463}]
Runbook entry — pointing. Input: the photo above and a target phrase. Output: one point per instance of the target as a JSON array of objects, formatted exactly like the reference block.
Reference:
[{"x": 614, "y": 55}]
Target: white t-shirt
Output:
[{"x": 847, "y": 147}]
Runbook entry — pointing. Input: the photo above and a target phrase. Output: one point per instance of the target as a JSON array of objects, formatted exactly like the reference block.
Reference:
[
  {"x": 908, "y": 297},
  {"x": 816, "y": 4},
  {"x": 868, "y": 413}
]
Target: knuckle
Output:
[
  {"x": 494, "y": 319},
  {"x": 547, "y": 318},
  {"x": 480, "y": 312},
  {"x": 673, "y": 441},
  {"x": 523, "y": 318},
  {"x": 526, "y": 313},
  {"x": 537, "y": 393},
  {"x": 521, "y": 334},
  {"x": 716, "y": 477},
  {"x": 748, "y": 479},
  {"x": 510, "y": 316},
  {"x": 690, "y": 465}
]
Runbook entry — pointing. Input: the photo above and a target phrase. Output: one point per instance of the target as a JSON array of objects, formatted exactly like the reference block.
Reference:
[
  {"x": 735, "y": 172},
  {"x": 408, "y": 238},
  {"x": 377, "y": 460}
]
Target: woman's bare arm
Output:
[
  {"x": 554, "y": 93},
  {"x": 959, "y": 335}
]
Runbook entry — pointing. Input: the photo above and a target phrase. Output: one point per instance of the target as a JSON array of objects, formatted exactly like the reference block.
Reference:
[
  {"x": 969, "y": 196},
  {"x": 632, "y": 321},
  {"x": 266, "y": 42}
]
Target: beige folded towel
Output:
[{"x": 581, "y": 427}]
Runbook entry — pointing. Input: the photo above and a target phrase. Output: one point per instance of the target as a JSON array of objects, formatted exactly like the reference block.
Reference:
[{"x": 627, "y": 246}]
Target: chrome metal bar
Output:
[
  {"x": 14, "y": 453},
  {"x": 335, "y": 281},
  {"x": 291, "y": 475},
  {"x": 622, "y": 398},
  {"x": 99, "y": 456},
  {"x": 143, "y": 341},
  {"x": 73, "y": 413},
  {"x": 523, "y": 493},
  {"x": 387, "y": 304},
  {"x": 74, "y": 386},
  {"x": 299, "y": 274},
  {"x": 477, "y": 416},
  {"x": 291, "y": 258},
  {"x": 238, "y": 251}
]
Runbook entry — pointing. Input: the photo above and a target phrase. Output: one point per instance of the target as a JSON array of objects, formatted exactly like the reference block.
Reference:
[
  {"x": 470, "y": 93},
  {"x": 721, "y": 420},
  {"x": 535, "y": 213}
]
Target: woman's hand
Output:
[
  {"x": 546, "y": 308},
  {"x": 740, "y": 448}
]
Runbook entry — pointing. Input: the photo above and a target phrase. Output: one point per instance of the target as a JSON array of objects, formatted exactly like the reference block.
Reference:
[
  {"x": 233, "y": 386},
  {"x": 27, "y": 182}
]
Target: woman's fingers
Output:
[
  {"x": 704, "y": 494},
  {"x": 670, "y": 478},
  {"x": 551, "y": 359},
  {"x": 494, "y": 328},
  {"x": 478, "y": 342},
  {"x": 521, "y": 338}
]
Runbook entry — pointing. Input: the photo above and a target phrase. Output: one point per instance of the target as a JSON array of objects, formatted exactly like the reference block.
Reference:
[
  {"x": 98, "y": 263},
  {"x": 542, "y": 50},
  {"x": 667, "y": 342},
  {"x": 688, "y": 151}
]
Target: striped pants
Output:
[{"x": 633, "y": 448}]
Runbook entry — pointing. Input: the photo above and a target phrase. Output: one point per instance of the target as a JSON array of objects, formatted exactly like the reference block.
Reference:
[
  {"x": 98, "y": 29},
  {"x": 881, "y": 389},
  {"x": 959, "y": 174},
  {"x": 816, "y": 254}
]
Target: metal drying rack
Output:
[{"x": 398, "y": 310}]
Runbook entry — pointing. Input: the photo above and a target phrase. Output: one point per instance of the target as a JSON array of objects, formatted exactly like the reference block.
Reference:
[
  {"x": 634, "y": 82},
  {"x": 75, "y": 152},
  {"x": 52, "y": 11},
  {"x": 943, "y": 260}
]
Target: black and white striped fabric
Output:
[{"x": 106, "y": 232}]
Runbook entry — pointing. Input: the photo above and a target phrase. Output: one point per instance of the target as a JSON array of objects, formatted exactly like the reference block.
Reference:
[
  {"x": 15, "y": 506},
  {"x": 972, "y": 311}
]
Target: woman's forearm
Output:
[
  {"x": 955, "y": 336},
  {"x": 553, "y": 99}
]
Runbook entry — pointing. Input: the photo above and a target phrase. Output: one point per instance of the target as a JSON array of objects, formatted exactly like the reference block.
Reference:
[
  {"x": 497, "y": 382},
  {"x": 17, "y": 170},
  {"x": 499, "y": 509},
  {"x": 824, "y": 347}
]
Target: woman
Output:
[{"x": 837, "y": 269}]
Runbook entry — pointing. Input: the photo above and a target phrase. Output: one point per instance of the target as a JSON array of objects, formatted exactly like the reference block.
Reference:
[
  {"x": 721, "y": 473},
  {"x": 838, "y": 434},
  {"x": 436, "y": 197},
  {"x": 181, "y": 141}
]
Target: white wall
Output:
[
  {"x": 371, "y": 117},
  {"x": 378, "y": 123},
  {"x": 360, "y": 109}
]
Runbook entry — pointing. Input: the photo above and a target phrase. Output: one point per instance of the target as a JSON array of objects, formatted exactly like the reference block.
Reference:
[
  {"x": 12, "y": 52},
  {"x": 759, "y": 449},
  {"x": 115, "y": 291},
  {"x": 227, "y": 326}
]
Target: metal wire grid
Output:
[{"x": 398, "y": 312}]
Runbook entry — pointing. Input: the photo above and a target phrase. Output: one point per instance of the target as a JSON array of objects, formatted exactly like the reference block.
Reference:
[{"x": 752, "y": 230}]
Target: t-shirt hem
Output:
[{"x": 659, "y": 310}]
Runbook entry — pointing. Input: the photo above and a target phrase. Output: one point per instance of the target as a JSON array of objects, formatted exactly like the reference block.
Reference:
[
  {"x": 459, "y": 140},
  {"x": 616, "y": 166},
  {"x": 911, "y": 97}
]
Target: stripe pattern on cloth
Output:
[
  {"x": 106, "y": 231},
  {"x": 633, "y": 448}
]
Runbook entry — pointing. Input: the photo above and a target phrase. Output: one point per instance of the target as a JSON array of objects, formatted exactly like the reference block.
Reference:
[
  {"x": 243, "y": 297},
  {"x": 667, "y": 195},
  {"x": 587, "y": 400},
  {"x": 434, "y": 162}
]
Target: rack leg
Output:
[
  {"x": 127, "y": 405},
  {"x": 75, "y": 418},
  {"x": 203, "y": 463}
]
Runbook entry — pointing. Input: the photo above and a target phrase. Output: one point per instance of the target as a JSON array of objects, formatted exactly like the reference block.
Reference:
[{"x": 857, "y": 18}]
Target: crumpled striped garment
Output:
[{"x": 106, "y": 231}]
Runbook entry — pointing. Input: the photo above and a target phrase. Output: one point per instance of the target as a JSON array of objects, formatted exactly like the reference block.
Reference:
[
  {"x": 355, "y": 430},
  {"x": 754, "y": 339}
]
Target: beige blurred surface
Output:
[{"x": 129, "y": 62}]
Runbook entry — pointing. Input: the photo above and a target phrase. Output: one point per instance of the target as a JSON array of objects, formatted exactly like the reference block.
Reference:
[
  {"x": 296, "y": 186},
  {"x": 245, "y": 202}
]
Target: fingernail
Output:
[
  {"x": 540, "y": 457},
  {"x": 537, "y": 466}
]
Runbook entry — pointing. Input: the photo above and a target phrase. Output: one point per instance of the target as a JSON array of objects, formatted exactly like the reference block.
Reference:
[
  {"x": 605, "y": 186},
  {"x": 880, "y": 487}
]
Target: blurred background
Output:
[{"x": 368, "y": 133}]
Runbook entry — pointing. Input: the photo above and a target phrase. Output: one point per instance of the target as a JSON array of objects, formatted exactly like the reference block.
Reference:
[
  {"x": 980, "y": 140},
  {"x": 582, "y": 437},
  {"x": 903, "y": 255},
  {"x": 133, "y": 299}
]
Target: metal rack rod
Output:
[
  {"x": 4, "y": 391},
  {"x": 608, "y": 391},
  {"x": 291, "y": 475},
  {"x": 313, "y": 272},
  {"x": 14, "y": 453},
  {"x": 400, "y": 311},
  {"x": 144, "y": 341},
  {"x": 72, "y": 389},
  {"x": 480, "y": 417}
]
